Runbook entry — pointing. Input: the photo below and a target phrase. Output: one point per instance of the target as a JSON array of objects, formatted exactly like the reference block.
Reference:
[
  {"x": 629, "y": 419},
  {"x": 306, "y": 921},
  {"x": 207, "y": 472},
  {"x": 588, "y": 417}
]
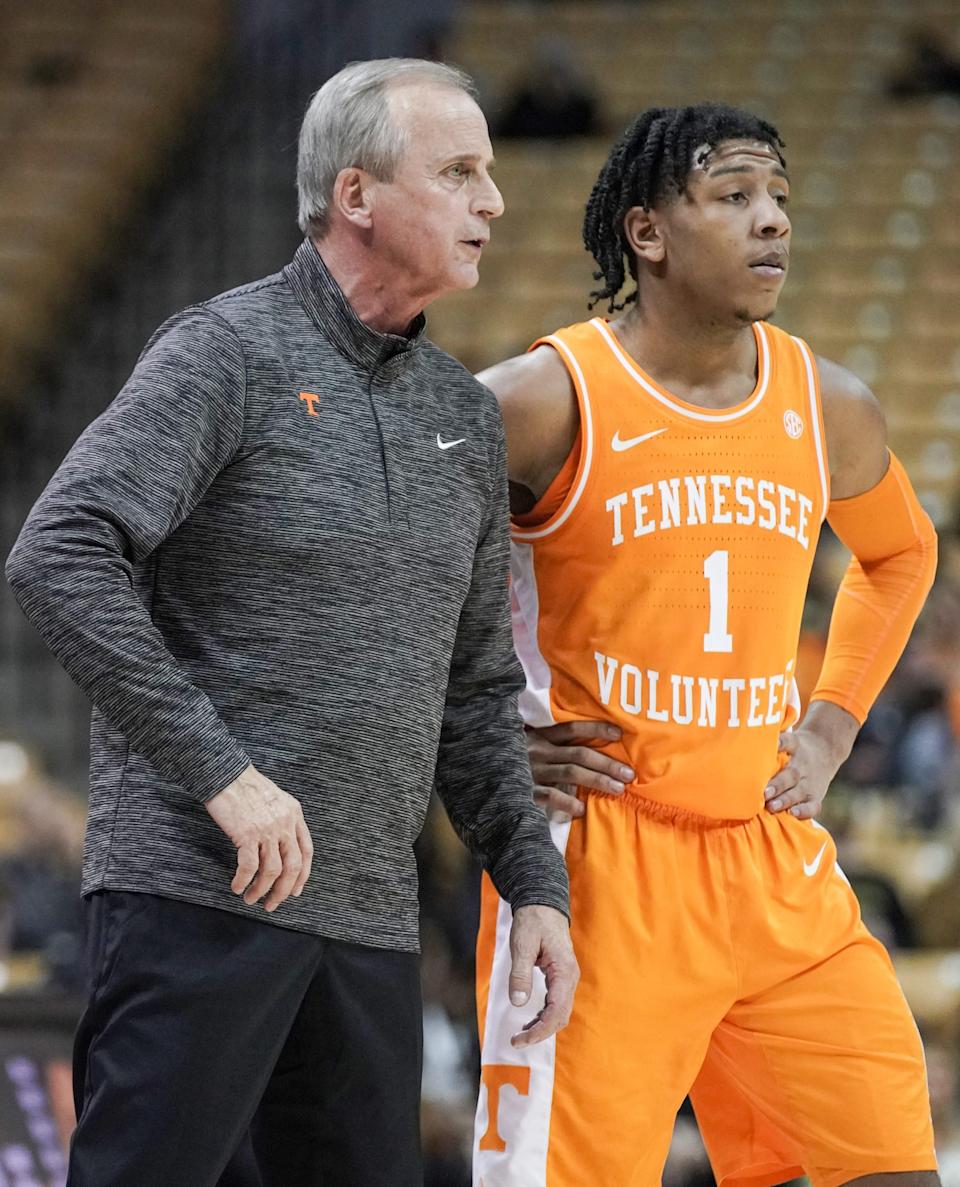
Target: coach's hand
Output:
[
  {"x": 561, "y": 761},
  {"x": 274, "y": 849},
  {"x": 815, "y": 751},
  {"x": 540, "y": 937}
]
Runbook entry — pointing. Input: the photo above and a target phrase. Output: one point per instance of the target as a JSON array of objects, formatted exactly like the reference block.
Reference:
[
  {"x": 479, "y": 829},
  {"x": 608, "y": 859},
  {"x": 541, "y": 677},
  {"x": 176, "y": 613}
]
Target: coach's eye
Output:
[{"x": 735, "y": 197}]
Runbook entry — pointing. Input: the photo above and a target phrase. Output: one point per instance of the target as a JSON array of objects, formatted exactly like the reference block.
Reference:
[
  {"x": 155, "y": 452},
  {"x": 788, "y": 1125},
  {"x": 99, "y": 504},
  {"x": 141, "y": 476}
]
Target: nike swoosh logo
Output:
[
  {"x": 441, "y": 444},
  {"x": 620, "y": 445},
  {"x": 811, "y": 867}
]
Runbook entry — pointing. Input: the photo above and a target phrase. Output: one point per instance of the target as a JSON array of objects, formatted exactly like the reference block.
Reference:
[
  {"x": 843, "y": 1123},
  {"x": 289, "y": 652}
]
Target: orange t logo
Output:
[
  {"x": 495, "y": 1076},
  {"x": 310, "y": 399}
]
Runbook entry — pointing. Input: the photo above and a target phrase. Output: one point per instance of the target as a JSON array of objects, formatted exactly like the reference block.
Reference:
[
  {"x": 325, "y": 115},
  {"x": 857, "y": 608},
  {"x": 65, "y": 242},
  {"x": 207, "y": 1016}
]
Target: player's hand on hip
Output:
[
  {"x": 274, "y": 849},
  {"x": 540, "y": 938},
  {"x": 814, "y": 752},
  {"x": 561, "y": 760},
  {"x": 801, "y": 784}
]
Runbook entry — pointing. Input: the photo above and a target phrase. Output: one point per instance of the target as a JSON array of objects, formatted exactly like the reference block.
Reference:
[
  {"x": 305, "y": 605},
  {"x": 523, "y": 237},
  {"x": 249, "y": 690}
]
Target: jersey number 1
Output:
[{"x": 716, "y": 569}]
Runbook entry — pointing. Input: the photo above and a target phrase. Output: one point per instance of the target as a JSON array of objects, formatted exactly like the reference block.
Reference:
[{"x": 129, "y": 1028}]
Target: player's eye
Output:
[{"x": 737, "y": 196}]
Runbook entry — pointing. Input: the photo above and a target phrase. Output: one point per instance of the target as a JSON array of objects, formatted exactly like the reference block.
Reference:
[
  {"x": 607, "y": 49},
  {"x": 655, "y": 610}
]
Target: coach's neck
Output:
[{"x": 377, "y": 293}]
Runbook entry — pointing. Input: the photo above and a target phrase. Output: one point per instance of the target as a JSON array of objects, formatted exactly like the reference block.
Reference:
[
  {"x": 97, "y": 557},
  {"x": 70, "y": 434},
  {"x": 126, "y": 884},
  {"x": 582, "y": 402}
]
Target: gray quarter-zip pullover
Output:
[{"x": 286, "y": 542}]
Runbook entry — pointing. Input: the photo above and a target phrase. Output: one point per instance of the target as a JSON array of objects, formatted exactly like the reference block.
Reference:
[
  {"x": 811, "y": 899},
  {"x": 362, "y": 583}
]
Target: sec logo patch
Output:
[{"x": 793, "y": 423}]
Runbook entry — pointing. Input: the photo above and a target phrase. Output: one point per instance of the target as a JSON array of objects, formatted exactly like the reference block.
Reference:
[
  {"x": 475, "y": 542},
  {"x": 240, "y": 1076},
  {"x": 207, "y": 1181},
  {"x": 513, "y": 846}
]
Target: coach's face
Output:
[{"x": 432, "y": 221}]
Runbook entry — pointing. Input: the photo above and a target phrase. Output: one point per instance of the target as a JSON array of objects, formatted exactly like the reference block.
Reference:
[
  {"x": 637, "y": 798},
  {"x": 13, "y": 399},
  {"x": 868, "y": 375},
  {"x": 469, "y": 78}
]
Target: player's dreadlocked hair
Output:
[{"x": 650, "y": 162}]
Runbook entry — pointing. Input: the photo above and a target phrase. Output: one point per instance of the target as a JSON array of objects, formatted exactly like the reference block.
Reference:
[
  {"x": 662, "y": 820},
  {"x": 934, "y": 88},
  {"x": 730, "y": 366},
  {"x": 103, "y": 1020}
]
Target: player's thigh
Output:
[{"x": 824, "y": 1071}]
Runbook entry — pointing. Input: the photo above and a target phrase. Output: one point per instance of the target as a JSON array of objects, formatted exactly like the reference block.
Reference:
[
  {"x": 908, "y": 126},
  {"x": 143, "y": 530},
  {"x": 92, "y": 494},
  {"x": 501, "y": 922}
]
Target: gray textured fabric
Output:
[{"x": 233, "y": 572}]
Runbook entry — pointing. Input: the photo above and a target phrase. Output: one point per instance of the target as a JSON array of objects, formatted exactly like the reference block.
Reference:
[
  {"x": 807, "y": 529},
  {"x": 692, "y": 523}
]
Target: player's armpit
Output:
[{"x": 894, "y": 562}]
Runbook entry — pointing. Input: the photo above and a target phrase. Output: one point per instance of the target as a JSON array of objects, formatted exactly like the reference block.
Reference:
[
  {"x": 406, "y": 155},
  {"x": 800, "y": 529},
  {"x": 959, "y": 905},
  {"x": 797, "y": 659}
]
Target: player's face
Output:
[
  {"x": 728, "y": 236},
  {"x": 432, "y": 221}
]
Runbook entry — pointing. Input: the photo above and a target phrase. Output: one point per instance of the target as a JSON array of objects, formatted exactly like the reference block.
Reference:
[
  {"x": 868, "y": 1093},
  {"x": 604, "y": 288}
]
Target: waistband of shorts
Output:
[{"x": 671, "y": 814}]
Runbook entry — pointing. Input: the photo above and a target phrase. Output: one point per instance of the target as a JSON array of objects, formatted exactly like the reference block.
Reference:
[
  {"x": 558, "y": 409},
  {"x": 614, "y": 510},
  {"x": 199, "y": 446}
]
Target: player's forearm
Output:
[
  {"x": 894, "y": 548},
  {"x": 834, "y": 726}
]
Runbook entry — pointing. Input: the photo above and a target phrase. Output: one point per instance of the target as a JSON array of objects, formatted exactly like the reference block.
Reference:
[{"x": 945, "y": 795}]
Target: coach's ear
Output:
[
  {"x": 352, "y": 196},
  {"x": 643, "y": 235}
]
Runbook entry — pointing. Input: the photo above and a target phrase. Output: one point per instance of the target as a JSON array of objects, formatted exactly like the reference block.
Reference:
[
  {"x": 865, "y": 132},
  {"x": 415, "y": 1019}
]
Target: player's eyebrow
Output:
[{"x": 778, "y": 171}]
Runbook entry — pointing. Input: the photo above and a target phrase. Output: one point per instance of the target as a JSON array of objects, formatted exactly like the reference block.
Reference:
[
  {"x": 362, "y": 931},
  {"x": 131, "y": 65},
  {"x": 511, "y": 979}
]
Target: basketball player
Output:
[{"x": 671, "y": 469}]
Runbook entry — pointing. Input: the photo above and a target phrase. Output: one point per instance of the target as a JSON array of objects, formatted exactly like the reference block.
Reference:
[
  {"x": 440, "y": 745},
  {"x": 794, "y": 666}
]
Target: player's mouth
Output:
[
  {"x": 773, "y": 264},
  {"x": 478, "y": 243}
]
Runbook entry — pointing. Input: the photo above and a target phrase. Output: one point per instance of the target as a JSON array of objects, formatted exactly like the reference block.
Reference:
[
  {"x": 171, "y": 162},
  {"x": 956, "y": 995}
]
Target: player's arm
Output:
[
  {"x": 541, "y": 417},
  {"x": 874, "y": 511}
]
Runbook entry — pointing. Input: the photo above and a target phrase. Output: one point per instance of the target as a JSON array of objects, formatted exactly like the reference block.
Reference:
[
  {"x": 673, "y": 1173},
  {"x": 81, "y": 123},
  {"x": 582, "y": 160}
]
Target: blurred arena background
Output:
[{"x": 147, "y": 156}]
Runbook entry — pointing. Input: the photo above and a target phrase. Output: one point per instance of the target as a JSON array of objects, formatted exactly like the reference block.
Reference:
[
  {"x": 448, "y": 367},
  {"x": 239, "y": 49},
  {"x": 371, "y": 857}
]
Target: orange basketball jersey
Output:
[{"x": 665, "y": 592}]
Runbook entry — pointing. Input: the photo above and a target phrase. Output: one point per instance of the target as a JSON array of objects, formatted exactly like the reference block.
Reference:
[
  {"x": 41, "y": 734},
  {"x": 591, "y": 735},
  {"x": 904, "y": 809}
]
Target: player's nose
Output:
[{"x": 774, "y": 220}]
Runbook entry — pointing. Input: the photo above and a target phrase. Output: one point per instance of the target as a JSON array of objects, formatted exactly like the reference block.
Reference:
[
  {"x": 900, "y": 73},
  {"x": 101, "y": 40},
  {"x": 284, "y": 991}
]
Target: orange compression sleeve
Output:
[{"x": 894, "y": 561}]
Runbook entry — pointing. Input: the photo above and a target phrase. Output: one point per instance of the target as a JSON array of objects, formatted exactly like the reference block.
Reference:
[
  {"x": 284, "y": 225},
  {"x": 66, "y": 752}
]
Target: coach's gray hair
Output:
[{"x": 348, "y": 124}]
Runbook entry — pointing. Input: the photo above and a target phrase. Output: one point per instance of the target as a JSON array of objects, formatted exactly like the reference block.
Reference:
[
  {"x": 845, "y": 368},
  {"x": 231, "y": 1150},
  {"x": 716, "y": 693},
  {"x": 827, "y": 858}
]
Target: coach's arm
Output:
[{"x": 483, "y": 775}]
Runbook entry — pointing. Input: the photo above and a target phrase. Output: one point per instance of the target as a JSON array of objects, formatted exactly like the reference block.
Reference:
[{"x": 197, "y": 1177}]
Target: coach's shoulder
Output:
[
  {"x": 255, "y": 307},
  {"x": 451, "y": 380}
]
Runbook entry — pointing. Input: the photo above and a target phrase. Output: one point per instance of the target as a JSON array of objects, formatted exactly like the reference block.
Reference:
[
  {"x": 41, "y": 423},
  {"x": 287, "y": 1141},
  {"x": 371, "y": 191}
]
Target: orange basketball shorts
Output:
[{"x": 727, "y": 962}]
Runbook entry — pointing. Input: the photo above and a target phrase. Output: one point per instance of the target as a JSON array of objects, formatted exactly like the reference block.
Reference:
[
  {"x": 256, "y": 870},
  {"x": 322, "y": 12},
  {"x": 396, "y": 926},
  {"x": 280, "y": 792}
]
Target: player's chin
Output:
[{"x": 749, "y": 314}]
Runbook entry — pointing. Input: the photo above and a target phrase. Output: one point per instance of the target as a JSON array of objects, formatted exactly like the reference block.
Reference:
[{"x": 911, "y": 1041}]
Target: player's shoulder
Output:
[
  {"x": 538, "y": 377},
  {"x": 538, "y": 403},
  {"x": 855, "y": 429},
  {"x": 848, "y": 403}
]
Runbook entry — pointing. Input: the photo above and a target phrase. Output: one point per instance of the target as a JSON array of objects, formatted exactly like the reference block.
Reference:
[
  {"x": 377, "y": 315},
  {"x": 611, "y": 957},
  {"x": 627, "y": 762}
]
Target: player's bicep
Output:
[
  {"x": 508, "y": 382},
  {"x": 856, "y": 431},
  {"x": 540, "y": 415}
]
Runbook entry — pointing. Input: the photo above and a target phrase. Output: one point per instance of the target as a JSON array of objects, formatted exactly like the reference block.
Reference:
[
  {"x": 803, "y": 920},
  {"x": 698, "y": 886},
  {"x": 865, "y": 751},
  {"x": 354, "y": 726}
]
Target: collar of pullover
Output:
[{"x": 329, "y": 309}]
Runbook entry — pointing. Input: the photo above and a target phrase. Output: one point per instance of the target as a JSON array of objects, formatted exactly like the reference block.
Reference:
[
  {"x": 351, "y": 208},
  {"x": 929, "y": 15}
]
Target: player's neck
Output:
[
  {"x": 699, "y": 361},
  {"x": 380, "y": 304}
]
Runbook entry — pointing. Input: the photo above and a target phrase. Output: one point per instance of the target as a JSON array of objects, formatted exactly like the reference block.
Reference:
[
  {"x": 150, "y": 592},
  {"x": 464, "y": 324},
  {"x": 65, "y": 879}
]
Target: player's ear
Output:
[{"x": 643, "y": 235}]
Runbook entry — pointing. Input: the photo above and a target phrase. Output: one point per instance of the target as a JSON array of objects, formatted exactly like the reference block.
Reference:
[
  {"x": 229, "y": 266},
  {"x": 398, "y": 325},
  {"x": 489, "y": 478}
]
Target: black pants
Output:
[{"x": 220, "y": 1050}]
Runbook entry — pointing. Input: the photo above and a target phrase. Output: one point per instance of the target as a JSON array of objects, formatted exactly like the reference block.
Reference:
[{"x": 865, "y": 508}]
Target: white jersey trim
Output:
[
  {"x": 815, "y": 422},
  {"x": 534, "y": 701},
  {"x": 587, "y": 429},
  {"x": 681, "y": 409}
]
